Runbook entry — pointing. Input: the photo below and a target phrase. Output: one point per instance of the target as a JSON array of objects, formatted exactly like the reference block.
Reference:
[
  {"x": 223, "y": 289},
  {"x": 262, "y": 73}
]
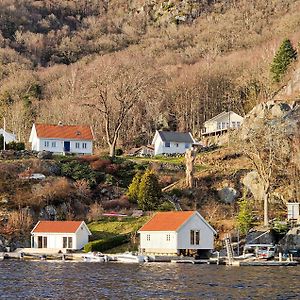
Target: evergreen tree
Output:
[
  {"x": 149, "y": 192},
  {"x": 245, "y": 215},
  {"x": 284, "y": 56},
  {"x": 134, "y": 187}
]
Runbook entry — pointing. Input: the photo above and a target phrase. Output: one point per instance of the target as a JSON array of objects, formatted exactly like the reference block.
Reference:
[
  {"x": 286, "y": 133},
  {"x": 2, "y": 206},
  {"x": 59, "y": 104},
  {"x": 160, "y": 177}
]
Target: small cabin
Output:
[
  {"x": 176, "y": 233},
  {"x": 172, "y": 142},
  {"x": 221, "y": 123},
  {"x": 62, "y": 139},
  {"x": 60, "y": 235}
]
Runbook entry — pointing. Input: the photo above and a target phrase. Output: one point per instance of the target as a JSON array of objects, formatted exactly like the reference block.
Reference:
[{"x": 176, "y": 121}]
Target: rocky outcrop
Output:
[
  {"x": 228, "y": 195},
  {"x": 252, "y": 183},
  {"x": 291, "y": 240}
]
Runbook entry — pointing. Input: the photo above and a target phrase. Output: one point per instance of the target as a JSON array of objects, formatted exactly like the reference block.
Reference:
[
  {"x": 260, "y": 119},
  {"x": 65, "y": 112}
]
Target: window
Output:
[
  {"x": 187, "y": 146},
  {"x": 84, "y": 145},
  {"x": 218, "y": 125},
  {"x": 168, "y": 237},
  {"x": 195, "y": 237},
  {"x": 46, "y": 144},
  {"x": 223, "y": 125},
  {"x": 177, "y": 145},
  {"x": 148, "y": 237},
  {"x": 233, "y": 124},
  {"x": 238, "y": 124},
  {"x": 53, "y": 144},
  {"x": 77, "y": 145},
  {"x": 67, "y": 242},
  {"x": 167, "y": 144}
]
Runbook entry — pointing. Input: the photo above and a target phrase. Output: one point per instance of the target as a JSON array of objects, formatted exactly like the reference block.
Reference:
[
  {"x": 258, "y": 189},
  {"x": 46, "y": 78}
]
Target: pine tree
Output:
[
  {"x": 149, "y": 192},
  {"x": 134, "y": 187},
  {"x": 245, "y": 215},
  {"x": 284, "y": 56}
]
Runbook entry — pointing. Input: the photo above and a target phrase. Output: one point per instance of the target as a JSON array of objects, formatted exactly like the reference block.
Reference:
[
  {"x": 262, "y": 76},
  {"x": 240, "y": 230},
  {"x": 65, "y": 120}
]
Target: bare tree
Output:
[{"x": 113, "y": 94}]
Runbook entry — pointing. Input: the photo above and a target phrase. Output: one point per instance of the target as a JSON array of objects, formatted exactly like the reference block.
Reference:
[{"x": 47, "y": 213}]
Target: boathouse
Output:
[
  {"x": 176, "y": 233},
  {"x": 60, "y": 235}
]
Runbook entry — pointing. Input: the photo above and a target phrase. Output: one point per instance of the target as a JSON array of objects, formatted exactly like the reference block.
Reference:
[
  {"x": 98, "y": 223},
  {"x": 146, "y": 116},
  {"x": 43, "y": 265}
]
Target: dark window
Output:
[
  {"x": 65, "y": 242},
  {"x": 70, "y": 242},
  {"x": 167, "y": 144},
  {"x": 45, "y": 242},
  {"x": 192, "y": 237},
  {"x": 195, "y": 237}
]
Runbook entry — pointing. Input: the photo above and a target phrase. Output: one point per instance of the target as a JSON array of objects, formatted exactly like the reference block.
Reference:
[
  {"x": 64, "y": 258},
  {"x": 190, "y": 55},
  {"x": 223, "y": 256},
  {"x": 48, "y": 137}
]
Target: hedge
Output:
[{"x": 106, "y": 244}]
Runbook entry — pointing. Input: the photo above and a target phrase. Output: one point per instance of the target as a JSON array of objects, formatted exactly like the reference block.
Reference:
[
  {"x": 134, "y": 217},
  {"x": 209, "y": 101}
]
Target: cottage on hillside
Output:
[
  {"x": 221, "y": 123},
  {"x": 62, "y": 139},
  {"x": 60, "y": 235},
  {"x": 8, "y": 137},
  {"x": 172, "y": 142},
  {"x": 176, "y": 233}
]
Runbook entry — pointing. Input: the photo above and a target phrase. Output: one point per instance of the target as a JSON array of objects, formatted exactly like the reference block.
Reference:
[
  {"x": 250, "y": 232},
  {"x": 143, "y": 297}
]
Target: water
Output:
[{"x": 71, "y": 280}]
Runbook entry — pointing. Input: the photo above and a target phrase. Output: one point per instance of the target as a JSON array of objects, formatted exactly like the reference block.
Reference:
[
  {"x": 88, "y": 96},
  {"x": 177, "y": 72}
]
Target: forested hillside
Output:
[{"x": 157, "y": 64}]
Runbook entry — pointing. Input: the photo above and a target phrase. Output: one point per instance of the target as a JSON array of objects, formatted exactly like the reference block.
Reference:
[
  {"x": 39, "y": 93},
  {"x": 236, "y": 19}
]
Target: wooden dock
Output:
[{"x": 265, "y": 263}]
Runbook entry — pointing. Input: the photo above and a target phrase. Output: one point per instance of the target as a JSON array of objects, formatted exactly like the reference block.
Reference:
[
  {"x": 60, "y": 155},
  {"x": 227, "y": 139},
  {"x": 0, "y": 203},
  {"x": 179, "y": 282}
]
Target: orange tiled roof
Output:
[
  {"x": 167, "y": 221},
  {"x": 76, "y": 132},
  {"x": 57, "y": 226}
]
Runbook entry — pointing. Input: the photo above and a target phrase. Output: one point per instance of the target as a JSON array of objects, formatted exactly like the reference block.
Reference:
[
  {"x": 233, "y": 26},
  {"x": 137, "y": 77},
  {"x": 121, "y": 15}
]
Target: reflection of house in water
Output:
[{"x": 221, "y": 123}]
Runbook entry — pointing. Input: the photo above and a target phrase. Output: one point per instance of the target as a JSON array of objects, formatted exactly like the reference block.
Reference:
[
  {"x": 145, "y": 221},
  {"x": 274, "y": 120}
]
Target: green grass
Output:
[{"x": 107, "y": 233}]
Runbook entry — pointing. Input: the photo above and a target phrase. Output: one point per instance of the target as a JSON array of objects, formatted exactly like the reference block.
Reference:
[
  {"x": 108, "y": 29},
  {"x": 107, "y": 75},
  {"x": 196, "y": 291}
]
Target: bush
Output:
[
  {"x": 100, "y": 164},
  {"x": 166, "y": 206},
  {"x": 18, "y": 146},
  {"x": 245, "y": 215},
  {"x": 134, "y": 187},
  {"x": 106, "y": 244},
  {"x": 119, "y": 152}
]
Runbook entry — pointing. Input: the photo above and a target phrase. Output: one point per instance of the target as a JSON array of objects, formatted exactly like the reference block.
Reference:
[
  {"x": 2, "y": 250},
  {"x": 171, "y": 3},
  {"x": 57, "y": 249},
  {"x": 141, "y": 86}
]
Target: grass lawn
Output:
[{"x": 110, "y": 227}]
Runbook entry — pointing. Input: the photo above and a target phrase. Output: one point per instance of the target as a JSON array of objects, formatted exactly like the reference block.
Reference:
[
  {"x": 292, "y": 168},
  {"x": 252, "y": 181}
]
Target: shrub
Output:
[
  {"x": 18, "y": 146},
  {"x": 88, "y": 158},
  {"x": 134, "y": 187},
  {"x": 165, "y": 180},
  {"x": 100, "y": 164},
  {"x": 95, "y": 211},
  {"x": 149, "y": 191},
  {"x": 116, "y": 203},
  {"x": 166, "y": 206},
  {"x": 106, "y": 244},
  {"x": 112, "y": 169},
  {"x": 245, "y": 215},
  {"x": 119, "y": 152}
]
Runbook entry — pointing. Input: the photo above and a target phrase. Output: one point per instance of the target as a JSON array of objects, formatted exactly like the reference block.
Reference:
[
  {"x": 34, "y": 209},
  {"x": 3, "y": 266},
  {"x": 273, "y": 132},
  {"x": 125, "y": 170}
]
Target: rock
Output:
[
  {"x": 291, "y": 240},
  {"x": 48, "y": 213},
  {"x": 228, "y": 195},
  {"x": 44, "y": 155},
  {"x": 260, "y": 237},
  {"x": 252, "y": 182}
]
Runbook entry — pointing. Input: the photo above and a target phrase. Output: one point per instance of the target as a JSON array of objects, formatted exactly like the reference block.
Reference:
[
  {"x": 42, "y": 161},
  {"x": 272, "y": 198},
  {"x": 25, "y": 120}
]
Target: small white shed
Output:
[
  {"x": 177, "y": 232},
  {"x": 293, "y": 210},
  {"x": 60, "y": 235}
]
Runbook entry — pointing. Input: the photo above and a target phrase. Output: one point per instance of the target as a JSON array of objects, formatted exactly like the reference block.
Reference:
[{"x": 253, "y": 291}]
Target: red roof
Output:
[
  {"x": 57, "y": 226},
  {"x": 74, "y": 132},
  {"x": 167, "y": 221}
]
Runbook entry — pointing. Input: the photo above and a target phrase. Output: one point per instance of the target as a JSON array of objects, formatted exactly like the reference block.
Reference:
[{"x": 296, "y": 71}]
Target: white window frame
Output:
[
  {"x": 168, "y": 237},
  {"x": 84, "y": 145},
  {"x": 46, "y": 144},
  {"x": 77, "y": 145},
  {"x": 148, "y": 237},
  {"x": 53, "y": 144}
]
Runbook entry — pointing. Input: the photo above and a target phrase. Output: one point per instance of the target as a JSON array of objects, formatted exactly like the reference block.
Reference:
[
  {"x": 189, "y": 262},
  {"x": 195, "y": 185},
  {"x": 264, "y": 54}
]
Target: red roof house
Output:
[
  {"x": 176, "y": 232},
  {"x": 60, "y": 235},
  {"x": 62, "y": 138}
]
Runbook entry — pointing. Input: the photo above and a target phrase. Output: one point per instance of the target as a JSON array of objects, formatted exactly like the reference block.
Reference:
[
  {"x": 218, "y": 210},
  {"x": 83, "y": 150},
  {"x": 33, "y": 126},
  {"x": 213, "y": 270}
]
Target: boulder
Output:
[
  {"x": 228, "y": 195},
  {"x": 252, "y": 183},
  {"x": 259, "y": 236},
  {"x": 44, "y": 155},
  {"x": 291, "y": 240}
]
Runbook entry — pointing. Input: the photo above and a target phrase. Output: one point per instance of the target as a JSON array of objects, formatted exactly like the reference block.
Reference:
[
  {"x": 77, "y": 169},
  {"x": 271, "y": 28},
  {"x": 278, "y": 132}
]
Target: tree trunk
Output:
[
  {"x": 112, "y": 149},
  {"x": 266, "y": 217}
]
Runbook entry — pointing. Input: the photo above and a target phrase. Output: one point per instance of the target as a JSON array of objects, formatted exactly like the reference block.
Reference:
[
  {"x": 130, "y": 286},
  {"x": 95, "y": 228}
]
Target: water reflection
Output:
[{"x": 69, "y": 280}]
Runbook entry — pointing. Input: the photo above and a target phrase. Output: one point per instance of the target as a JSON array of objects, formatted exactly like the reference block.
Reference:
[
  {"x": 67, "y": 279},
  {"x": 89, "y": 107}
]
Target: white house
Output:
[
  {"x": 62, "y": 138},
  {"x": 8, "y": 137},
  {"x": 176, "y": 232},
  {"x": 60, "y": 235},
  {"x": 172, "y": 142},
  {"x": 222, "y": 122}
]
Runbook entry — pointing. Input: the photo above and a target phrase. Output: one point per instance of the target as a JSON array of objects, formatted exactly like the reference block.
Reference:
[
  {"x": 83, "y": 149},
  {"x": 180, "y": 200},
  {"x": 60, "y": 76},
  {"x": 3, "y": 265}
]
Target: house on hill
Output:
[
  {"x": 221, "y": 123},
  {"x": 62, "y": 138},
  {"x": 60, "y": 235},
  {"x": 176, "y": 233},
  {"x": 172, "y": 142},
  {"x": 8, "y": 137}
]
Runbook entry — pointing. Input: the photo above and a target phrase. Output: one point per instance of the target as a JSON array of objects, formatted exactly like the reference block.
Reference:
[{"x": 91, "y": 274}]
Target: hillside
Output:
[{"x": 194, "y": 59}]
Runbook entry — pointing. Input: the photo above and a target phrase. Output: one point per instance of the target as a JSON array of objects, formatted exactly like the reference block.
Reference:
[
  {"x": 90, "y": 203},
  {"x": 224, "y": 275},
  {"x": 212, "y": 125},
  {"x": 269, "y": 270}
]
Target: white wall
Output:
[
  {"x": 54, "y": 240},
  {"x": 212, "y": 126},
  {"x": 39, "y": 145},
  {"x": 206, "y": 234},
  {"x": 158, "y": 242},
  {"x": 159, "y": 147},
  {"x": 82, "y": 237}
]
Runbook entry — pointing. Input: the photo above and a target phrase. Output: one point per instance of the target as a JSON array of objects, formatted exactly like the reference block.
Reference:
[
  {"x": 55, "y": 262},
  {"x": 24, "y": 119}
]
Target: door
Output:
[{"x": 67, "y": 146}]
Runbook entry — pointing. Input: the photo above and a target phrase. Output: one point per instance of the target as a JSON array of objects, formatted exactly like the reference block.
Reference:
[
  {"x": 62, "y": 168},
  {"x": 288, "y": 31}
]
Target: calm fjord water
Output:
[{"x": 70, "y": 280}]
